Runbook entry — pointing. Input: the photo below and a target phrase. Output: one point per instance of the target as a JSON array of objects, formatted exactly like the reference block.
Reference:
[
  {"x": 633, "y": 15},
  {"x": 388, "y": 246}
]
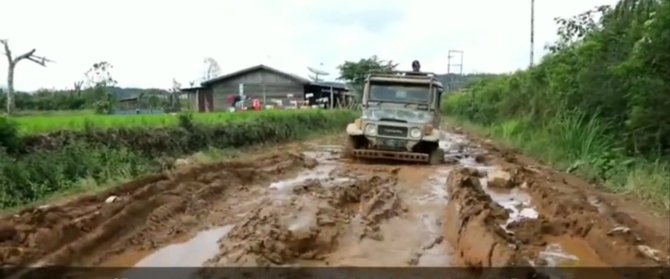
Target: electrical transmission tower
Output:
[{"x": 457, "y": 63}]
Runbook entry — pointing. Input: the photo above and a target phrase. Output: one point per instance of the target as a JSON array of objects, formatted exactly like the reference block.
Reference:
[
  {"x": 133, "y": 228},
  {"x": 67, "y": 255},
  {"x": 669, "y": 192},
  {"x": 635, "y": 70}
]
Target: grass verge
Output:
[
  {"x": 210, "y": 155},
  {"x": 97, "y": 156}
]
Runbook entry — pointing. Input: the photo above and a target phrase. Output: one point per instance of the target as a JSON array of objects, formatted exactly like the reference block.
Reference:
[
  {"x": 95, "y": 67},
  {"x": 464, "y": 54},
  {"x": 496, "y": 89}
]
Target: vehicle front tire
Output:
[
  {"x": 349, "y": 146},
  {"x": 436, "y": 156}
]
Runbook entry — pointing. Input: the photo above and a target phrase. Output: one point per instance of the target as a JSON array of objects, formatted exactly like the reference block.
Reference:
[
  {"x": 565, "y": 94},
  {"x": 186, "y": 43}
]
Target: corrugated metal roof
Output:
[
  {"x": 338, "y": 85},
  {"x": 188, "y": 89},
  {"x": 256, "y": 68},
  {"x": 128, "y": 99}
]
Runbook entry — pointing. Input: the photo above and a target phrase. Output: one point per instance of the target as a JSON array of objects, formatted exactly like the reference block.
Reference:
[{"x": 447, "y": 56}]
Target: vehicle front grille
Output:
[
  {"x": 393, "y": 131},
  {"x": 393, "y": 120}
]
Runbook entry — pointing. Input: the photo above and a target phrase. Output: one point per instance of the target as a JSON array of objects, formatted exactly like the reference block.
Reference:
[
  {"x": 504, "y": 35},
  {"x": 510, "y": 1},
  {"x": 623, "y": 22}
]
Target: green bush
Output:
[
  {"x": 597, "y": 104},
  {"x": 9, "y": 139},
  {"x": 33, "y": 176}
]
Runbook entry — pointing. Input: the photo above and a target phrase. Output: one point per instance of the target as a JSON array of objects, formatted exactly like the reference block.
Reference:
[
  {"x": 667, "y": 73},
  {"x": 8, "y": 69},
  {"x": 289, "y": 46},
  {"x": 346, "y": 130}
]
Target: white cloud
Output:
[{"x": 150, "y": 42}]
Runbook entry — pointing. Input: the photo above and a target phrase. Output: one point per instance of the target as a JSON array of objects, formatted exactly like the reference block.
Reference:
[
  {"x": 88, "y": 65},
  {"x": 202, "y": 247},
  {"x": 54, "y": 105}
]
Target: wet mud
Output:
[{"x": 306, "y": 206}]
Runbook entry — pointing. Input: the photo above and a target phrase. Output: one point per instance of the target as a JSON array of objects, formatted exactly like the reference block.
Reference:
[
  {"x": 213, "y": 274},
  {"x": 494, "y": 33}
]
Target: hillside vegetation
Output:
[
  {"x": 598, "y": 104},
  {"x": 100, "y": 149}
]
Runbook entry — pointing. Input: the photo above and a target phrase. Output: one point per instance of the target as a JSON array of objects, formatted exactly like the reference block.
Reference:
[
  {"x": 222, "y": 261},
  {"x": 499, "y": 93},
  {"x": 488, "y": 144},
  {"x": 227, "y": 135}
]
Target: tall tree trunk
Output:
[
  {"x": 10, "y": 88},
  {"x": 30, "y": 55}
]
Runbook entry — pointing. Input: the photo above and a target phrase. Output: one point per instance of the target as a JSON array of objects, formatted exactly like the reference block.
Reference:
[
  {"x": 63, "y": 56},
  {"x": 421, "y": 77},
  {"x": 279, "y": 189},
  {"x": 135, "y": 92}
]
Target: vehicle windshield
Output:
[{"x": 400, "y": 93}]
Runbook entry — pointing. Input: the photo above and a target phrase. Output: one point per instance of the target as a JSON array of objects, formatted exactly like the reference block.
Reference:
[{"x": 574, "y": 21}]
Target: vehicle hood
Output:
[{"x": 396, "y": 114}]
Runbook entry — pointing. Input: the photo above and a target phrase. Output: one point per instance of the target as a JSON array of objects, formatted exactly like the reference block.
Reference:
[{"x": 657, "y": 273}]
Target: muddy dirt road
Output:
[{"x": 302, "y": 205}]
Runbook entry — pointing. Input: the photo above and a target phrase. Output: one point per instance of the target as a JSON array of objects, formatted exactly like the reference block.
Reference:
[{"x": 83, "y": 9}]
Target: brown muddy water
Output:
[
  {"x": 304, "y": 206},
  {"x": 350, "y": 213}
]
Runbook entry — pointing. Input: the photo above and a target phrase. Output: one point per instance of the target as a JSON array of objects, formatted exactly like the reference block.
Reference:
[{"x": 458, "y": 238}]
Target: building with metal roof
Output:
[{"x": 269, "y": 85}]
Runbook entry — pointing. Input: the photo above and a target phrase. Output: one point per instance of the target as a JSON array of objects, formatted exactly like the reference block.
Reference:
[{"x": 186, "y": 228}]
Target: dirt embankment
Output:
[
  {"x": 570, "y": 213},
  {"x": 143, "y": 214},
  {"x": 483, "y": 236},
  {"x": 473, "y": 224},
  {"x": 620, "y": 228}
]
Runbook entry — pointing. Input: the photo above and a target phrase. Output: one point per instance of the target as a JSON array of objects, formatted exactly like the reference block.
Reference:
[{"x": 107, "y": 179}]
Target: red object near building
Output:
[{"x": 256, "y": 104}]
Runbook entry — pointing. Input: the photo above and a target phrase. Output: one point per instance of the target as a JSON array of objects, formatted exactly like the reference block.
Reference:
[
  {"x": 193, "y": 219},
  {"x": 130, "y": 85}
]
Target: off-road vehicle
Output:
[{"x": 400, "y": 118}]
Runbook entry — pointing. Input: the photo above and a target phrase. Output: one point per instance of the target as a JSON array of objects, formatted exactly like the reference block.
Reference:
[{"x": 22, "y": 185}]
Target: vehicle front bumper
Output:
[
  {"x": 390, "y": 154},
  {"x": 394, "y": 143}
]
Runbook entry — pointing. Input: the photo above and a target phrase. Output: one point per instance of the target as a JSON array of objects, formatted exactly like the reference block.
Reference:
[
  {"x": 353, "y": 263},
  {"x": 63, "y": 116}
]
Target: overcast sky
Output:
[{"x": 149, "y": 42}]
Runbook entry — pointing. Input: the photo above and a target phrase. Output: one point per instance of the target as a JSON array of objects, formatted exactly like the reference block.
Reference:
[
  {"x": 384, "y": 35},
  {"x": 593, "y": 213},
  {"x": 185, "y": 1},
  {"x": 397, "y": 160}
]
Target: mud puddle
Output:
[
  {"x": 516, "y": 201},
  {"x": 413, "y": 237},
  {"x": 568, "y": 252},
  {"x": 332, "y": 213},
  {"x": 183, "y": 258},
  {"x": 341, "y": 213},
  {"x": 191, "y": 253}
]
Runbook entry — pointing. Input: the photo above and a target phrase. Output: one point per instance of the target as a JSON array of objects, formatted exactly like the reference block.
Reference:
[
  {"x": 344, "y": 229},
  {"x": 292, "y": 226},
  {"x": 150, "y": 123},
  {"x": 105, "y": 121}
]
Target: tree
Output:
[
  {"x": 176, "y": 86},
  {"x": 173, "y": 97},
  {"x": 153, "y": 101},
  {"x": 99, "y": 75},
  {"x": 77, "y": 88},
  {"x": 212, "y": 69},
  {"x": 356, "y": 72},
  {"x": 576, "y": 28},
  {"x": 99, "y": 80},
  {"x": 12, "y": 61}
]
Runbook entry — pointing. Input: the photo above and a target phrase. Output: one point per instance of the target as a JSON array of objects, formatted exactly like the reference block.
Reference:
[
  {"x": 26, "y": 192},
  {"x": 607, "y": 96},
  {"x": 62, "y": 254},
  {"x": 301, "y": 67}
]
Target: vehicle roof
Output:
[{"x": 405, "y": 76}]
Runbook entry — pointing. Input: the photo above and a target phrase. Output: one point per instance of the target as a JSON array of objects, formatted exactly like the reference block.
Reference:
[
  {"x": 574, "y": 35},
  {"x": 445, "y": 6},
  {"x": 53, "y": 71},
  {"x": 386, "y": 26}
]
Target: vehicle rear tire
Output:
[{"x": 436, "y": 156}]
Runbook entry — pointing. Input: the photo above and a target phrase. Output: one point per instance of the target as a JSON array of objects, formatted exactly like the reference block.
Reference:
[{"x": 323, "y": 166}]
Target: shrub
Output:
[
  {"x": 9, "y": 138},
  {"x": 598, "y": 103}
]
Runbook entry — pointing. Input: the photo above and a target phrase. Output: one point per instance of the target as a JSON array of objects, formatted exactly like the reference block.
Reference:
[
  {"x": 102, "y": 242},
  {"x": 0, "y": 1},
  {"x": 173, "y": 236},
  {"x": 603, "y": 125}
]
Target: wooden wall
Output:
[{"x": 275, "y": 86}]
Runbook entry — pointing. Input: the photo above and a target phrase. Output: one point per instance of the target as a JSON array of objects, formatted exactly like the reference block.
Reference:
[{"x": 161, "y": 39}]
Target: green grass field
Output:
[{"x": 37, "y": 124}]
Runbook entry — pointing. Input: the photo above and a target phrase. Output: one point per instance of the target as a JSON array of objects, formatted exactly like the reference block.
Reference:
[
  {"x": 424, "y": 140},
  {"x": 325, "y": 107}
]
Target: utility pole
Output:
[
  {"x": 263, "y": 82},
  {"x": 450, "y": 64},
  {"x": 532, "y": 31},
  {"x": 332, "y": 98}
]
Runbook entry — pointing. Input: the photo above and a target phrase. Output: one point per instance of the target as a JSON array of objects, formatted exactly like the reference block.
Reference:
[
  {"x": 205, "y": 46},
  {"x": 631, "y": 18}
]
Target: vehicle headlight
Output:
[
  {"x": 370, "y": 129},
  {"x": 415, "y": 133}
]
